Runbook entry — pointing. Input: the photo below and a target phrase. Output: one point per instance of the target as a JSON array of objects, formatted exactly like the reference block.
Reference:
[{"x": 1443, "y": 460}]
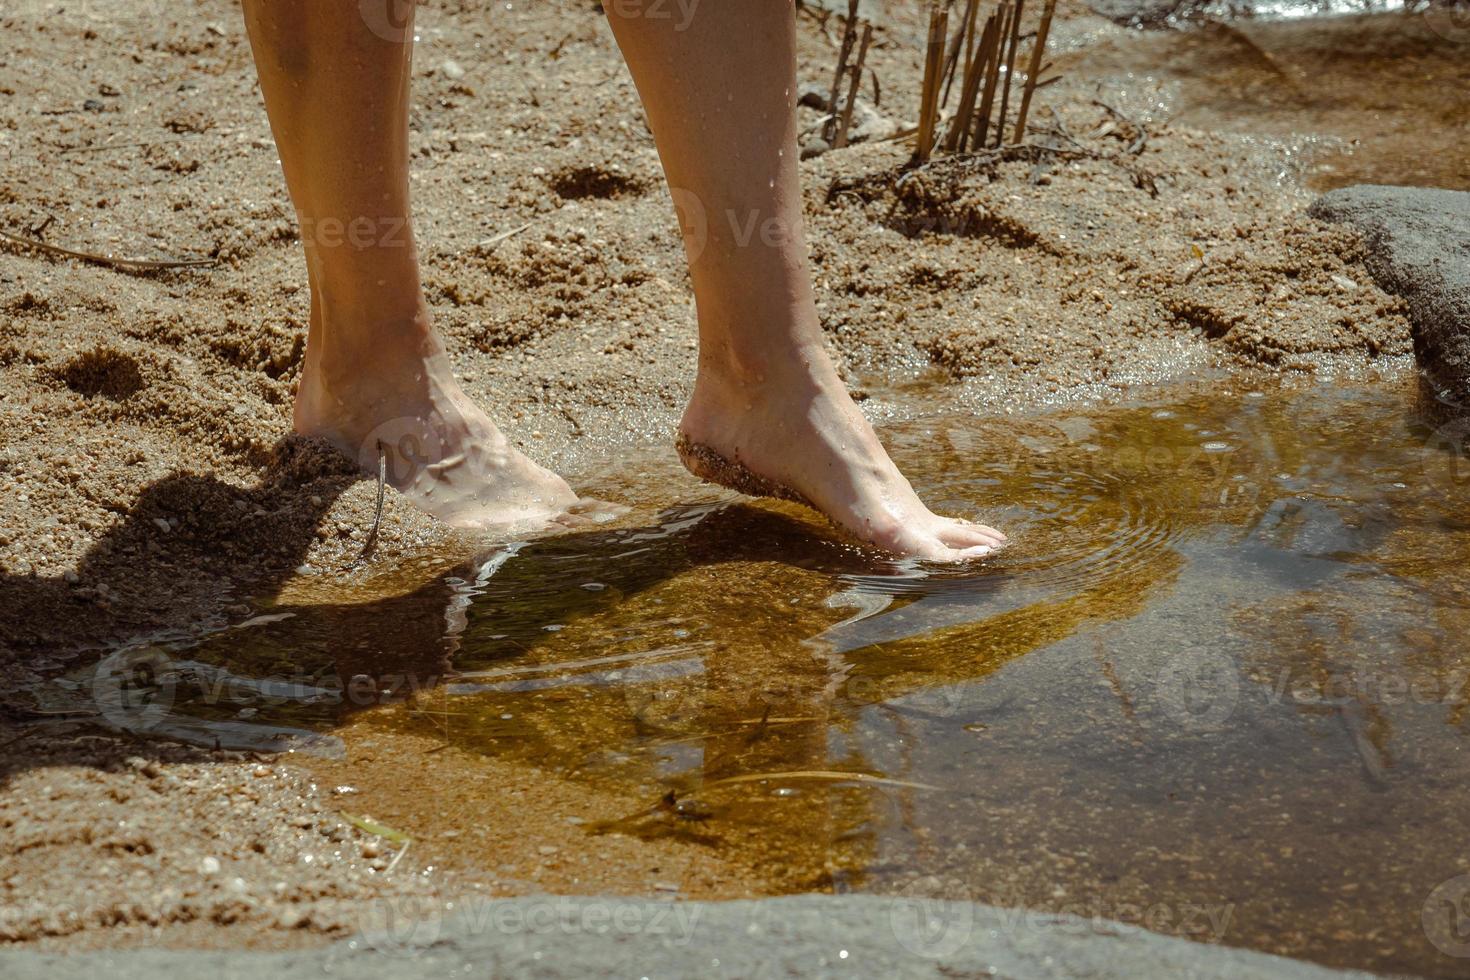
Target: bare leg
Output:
[
  {"x": 375, "y": 372},
  {"x": 718, "y": 81}
]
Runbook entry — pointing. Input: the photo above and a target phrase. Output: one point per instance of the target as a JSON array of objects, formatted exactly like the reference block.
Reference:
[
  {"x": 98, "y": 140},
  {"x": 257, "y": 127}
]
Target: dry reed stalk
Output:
[
  {"x": 1033, "y": 71},
  {"x": 933, "y": 66},
  {"x": 952, "y": 60},
  {"x": 980, "y": 132},
  {"x": 849, "y": 35},
  {"x": 1005, "y": 94},
  {"x": 987, "y": 68},
  {"x": 969, "y": 80},
  {"x": 982, "y": 56},
  {"x": 856, "y": 83}
]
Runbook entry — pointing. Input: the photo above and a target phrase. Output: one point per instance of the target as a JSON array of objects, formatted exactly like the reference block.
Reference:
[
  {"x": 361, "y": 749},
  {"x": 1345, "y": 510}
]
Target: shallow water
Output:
[
  {"x": 1374, "y": 98},
  {"x": 1217, "y": 686}
]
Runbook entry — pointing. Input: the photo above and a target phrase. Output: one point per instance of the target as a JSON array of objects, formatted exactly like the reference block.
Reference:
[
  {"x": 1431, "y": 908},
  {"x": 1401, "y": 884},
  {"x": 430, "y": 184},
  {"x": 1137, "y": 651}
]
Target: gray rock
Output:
[
  {"x": 1419, "y": 248},
  {"x": 814, "y": 146},
  {"x": 801, "y": 936}
]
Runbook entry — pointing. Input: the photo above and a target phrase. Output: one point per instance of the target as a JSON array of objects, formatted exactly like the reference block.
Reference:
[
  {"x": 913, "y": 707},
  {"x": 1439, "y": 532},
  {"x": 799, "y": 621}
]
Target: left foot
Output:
[
  {"x": 439, "y": 450},
  {"x": 801, "y": 438}
]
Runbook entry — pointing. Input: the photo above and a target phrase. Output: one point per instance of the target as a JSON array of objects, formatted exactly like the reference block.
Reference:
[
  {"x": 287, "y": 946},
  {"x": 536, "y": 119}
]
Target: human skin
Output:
[{"x": 718, "y": 83}]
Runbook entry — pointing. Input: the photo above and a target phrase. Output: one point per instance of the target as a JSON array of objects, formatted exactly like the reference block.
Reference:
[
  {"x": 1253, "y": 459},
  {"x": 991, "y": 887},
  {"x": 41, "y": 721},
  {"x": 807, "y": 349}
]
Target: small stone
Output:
[
  {"x": 452, "y": 70},
  {"x": 546, "y": 849},
  {"x": 814, "y": 146},
  {"x": 209, "y": 865},
  {"x": 162, "y": 525}
]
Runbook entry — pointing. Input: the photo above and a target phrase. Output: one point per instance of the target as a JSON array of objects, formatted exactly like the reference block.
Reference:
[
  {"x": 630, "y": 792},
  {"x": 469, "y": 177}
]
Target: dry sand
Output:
[{"x": 149, "y": 481}]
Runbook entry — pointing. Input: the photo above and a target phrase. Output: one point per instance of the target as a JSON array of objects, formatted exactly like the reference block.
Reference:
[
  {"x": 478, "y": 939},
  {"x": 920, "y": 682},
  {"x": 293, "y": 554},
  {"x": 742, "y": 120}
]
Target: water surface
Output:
[{"x": 1217, "y": 686}]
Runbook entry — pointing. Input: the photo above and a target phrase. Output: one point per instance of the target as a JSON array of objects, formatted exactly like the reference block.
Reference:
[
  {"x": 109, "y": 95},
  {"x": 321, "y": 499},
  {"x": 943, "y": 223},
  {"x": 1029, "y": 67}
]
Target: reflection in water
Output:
[{"x": 1219, "y": 675}]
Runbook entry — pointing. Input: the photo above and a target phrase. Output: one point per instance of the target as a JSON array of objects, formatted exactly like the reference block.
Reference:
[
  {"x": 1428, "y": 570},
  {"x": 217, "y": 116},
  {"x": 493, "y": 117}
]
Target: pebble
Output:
[
  {"x": 452, "y": 69},
  {"x": 209, "y": 865}
]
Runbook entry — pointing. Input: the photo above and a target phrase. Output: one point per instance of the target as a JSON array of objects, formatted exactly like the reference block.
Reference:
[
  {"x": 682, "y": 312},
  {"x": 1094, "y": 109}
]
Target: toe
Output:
[{"x": 960, "y": 536}]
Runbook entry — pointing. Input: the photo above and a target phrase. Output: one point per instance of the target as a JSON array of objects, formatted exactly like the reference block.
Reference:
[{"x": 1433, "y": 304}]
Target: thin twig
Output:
[
  {"x": 820, "y": 775},
  {"x": 852, "y": 92},
  {"x": 396, "y": 858},
  {"x": 494, "y": 240},
  {"x": 135, "y": 265},
  {"x": 371, "y": 544},
  {"x": 99, "y": 147}
]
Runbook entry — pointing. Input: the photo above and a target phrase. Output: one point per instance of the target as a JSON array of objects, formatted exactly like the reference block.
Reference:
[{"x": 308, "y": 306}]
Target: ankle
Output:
[{"x": 349, "y": 349}]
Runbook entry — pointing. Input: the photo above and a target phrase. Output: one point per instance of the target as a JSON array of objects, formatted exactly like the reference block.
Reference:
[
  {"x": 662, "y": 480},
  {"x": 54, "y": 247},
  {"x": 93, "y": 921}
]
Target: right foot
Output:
[
  {"x": 440, "y": 450},
  {"x": 801, "y": 438}
]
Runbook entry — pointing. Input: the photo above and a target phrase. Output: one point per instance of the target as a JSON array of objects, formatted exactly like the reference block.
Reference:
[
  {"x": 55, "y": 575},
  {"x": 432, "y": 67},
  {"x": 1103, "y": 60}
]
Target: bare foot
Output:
[
  {"x": 800, "y": 437},
  {"x": 441, "y": 451}
]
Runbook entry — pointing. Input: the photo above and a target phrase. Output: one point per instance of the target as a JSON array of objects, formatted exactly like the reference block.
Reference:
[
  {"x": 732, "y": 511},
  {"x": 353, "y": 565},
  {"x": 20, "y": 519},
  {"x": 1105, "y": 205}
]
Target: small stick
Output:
[
  {"x": 99, "y": 147},
  {"x": 1033, "y": 71},
  {"x": 497, "y": 239},
  {"x": 852, "y": 92},
  {"x": 849, "y": 35},
  {"x": 820, "y": 775},
  {"x": 396, "y": 858},
  {"x": 371, "y": 544},
  {"x": 1005, "y": 94},
  {"x": 136, "y": 265}
]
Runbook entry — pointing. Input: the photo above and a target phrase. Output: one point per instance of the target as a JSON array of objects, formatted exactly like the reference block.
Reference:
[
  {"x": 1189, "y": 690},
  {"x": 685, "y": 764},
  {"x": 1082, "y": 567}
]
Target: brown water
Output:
[{"x": 1217, "y": 686}]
